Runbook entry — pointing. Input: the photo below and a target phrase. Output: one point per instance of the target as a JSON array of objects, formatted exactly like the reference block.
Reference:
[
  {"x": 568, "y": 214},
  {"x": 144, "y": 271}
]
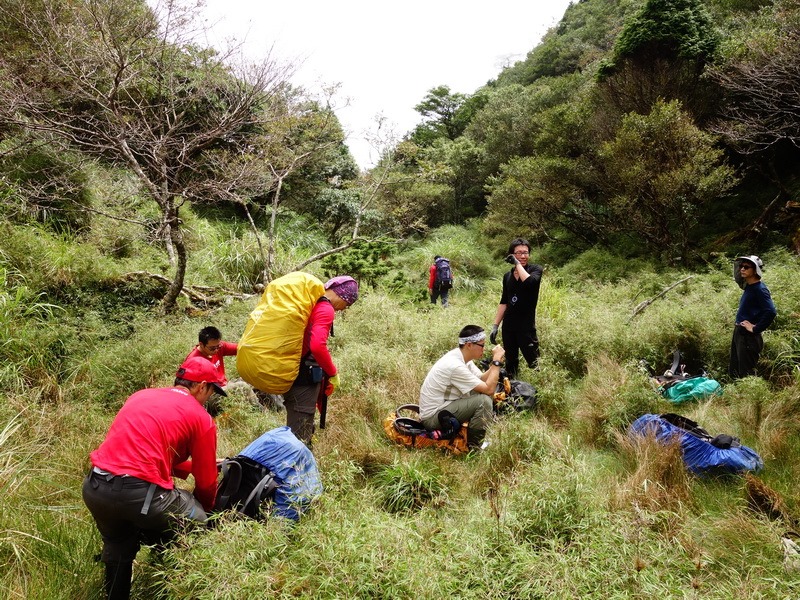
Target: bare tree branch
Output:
[
  {"x": 643, "y": 305},
  {"x": 128, "y": 85}
]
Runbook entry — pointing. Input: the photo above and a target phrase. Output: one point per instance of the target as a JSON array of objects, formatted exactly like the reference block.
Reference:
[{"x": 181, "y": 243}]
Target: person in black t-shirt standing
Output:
[{"x": 517, "y": 308}]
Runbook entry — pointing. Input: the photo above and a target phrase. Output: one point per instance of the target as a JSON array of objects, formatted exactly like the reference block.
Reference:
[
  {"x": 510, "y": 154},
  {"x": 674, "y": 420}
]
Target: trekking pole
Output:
[{"x": 322, "y": 403}]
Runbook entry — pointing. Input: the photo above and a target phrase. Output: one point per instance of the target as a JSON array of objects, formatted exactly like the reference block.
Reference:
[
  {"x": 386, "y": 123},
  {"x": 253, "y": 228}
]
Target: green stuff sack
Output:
[
  {"x": 696, "y": 388},
  {"x": 270, "y": 350}
]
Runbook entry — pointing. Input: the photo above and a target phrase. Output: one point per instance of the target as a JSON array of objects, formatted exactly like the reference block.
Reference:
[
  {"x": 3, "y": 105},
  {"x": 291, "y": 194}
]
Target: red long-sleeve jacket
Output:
[
  {"x": 315, "y": 339},
  {"x": 217, "y": 359},
  {"x": 153, "y": 437}
]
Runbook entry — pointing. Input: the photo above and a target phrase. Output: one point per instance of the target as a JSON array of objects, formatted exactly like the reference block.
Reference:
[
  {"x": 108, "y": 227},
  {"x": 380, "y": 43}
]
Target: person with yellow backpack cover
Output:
[{"x": 284, "y": 348}]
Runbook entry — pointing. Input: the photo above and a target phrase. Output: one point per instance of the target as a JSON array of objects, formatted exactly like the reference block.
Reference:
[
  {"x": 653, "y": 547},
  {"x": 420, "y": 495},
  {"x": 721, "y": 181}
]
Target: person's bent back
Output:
[{"x": 157, "y": 434}]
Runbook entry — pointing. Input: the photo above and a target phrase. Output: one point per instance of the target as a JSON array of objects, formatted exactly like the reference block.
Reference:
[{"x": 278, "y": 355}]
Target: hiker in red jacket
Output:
[
  {"x": 440, "y": 280},
  {"x": 157, "y": 434},
  {"x": 316, "y": 365}
]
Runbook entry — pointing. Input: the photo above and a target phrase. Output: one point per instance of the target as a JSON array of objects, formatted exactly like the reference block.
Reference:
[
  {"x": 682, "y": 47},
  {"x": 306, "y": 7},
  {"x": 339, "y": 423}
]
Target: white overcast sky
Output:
[{"x": 386, "y": 55}]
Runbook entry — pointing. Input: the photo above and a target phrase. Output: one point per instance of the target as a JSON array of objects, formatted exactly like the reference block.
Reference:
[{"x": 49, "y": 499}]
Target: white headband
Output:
[{"x": 477, "y": 337}]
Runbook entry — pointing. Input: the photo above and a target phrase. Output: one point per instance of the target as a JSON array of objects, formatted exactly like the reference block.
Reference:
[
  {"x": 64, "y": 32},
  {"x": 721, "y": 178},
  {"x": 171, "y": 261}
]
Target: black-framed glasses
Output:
[
  {"x": 521, "y": 253},
  {"x": 481, "y": 345},
  {"x": 744, "y": 266},
  {"x": 213, "y": 348}
]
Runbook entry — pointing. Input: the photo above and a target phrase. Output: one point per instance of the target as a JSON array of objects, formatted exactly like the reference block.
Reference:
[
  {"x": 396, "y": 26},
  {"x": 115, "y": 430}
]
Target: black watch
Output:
[{"x": 497, "y": 363}]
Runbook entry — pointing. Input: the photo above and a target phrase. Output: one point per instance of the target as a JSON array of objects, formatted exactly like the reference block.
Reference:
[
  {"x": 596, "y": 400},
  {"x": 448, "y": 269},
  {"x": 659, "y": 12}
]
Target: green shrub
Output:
[
  {"x": 49, "y": 186},
  {"x": 612, "y": 397},
  {"x": 602, "y": 266},
  {"x": 409, "y": 486}
]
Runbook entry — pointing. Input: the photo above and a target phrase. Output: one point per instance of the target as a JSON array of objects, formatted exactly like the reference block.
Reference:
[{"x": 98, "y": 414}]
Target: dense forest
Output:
[
  {"x": 640, "y": 127},
  {"x": 151, "y": 185}
]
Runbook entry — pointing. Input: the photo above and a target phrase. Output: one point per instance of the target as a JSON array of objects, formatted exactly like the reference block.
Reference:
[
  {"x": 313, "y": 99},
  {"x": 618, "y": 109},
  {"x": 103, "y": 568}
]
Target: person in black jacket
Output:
[{"x": 517, "y": 309}]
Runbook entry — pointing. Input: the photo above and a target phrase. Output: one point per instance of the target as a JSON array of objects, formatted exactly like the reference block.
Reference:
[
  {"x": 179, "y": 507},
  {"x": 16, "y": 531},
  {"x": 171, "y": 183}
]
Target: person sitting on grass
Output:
[{"x": 456, "y": 384}]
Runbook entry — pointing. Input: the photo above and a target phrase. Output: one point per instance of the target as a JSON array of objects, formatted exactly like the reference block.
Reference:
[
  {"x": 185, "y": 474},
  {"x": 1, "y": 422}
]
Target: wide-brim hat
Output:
[{"x": 753, "y": 259}]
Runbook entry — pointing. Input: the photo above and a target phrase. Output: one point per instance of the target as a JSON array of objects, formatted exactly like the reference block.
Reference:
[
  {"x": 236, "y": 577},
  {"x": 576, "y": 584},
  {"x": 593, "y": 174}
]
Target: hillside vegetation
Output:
[
  {"x": 664, "y": 129},
  {"x": 649, "y": 127},
  {"x": 560, "y": 504},
  {"x": 149, "y": 186}
]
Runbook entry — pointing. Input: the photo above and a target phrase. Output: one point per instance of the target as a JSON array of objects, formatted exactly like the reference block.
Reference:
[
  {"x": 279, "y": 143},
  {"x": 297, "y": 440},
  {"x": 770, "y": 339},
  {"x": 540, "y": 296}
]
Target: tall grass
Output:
[
  {"x": 26, "y": 343},
  {"x": 561, "y": 504}
]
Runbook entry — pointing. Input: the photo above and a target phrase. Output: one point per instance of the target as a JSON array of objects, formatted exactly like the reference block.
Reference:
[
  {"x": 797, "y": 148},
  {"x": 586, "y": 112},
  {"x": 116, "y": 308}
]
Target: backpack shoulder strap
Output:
[
  {"x": 685, "y": 423},
  {"x": 229, "y": 483},
  {"x": 264, "y": 489}
]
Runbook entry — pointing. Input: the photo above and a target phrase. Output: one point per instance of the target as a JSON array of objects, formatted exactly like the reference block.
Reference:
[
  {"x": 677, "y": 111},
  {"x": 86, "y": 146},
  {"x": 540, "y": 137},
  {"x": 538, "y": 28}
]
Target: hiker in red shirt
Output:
[
  {"x": 211, "y": 347},
  {"x": 316, "y": 365},
  {"x": 157, "y": 434}
]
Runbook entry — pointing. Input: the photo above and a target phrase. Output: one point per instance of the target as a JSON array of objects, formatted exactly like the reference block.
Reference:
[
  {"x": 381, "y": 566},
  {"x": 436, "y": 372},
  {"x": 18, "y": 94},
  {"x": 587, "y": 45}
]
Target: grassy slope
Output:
[{"x": 558, "y": 506}]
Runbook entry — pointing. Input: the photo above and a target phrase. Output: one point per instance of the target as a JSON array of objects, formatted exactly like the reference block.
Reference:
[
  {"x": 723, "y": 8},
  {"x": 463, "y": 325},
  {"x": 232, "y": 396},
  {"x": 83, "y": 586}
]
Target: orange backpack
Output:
[{"x": 403, "y": 427}]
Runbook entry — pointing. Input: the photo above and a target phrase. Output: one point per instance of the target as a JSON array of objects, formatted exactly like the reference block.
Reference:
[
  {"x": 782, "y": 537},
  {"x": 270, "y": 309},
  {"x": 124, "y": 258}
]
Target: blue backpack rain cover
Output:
[
  {"x": 699, "y": 453},
  {"x": 294, "y": 468}
]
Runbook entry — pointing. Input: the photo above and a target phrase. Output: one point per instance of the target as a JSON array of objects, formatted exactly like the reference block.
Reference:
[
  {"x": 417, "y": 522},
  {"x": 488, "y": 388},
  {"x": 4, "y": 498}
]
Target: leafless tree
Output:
[
  {"x": 277, "y": 151},
  {"x": 127, "y": 84},
  {"x": 760, "y": 117},
  {"x": 762, "y": 107}
]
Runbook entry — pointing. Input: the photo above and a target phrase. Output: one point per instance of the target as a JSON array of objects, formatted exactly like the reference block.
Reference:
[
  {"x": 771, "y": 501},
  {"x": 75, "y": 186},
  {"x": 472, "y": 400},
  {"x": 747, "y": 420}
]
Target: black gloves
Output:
[
  {"x": 512, "y": 260},
  {"x": 493, "y": 335}
]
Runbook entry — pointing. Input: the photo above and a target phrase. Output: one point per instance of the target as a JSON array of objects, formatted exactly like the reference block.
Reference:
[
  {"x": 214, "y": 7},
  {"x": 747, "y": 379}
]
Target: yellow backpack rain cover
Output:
[{"x": 270, "y": 350}]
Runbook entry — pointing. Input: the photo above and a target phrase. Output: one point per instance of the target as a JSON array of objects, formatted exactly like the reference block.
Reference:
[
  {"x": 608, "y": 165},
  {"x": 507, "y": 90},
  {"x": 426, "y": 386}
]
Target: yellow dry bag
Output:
[{"x": 270, "y": 349}]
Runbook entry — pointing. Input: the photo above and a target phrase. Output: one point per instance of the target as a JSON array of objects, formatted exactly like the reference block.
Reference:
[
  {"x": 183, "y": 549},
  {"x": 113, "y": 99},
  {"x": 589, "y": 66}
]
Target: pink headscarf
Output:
[{"x": 345, "y": 287}]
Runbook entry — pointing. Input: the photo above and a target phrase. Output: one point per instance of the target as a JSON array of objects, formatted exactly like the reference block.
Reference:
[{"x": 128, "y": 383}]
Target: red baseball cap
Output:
[{"x": 201, "y": 370}]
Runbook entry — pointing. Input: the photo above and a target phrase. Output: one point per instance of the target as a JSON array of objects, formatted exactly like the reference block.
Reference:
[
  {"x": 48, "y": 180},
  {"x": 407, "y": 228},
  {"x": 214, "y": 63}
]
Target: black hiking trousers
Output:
[
  {"x": 746, "y": 347},
  {"x": 117, "y": 504},
  {"x": 516, "y": 339}
]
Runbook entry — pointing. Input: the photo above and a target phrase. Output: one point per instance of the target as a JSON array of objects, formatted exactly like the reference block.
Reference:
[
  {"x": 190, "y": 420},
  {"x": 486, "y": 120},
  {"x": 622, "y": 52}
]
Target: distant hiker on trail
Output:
[
  {"x": 211, "y": 347},
  {"x": 517, "y": 309},
  {"x": 318, "y": 377},
  {"x": 755, "y": 314},
  {"x": 457, "y": 385},
  {"x": 440, "y": 280},
  {"x": 157, "y": 434}
]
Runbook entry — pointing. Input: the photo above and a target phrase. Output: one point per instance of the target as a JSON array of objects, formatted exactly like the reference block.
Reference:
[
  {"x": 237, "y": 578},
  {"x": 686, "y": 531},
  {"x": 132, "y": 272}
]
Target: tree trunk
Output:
[
  {"x": 257, "y": 236},
  {"x": 276, "y": 199},
  {"x": 169, "y": 246},
  {"x": 169, "y": 302}
]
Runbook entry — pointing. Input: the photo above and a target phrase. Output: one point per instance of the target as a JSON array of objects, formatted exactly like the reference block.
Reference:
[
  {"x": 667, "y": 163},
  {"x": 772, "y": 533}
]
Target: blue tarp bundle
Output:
[
  {"x": 293, "y": 466},
  {"x": 699, "y": 454}
]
